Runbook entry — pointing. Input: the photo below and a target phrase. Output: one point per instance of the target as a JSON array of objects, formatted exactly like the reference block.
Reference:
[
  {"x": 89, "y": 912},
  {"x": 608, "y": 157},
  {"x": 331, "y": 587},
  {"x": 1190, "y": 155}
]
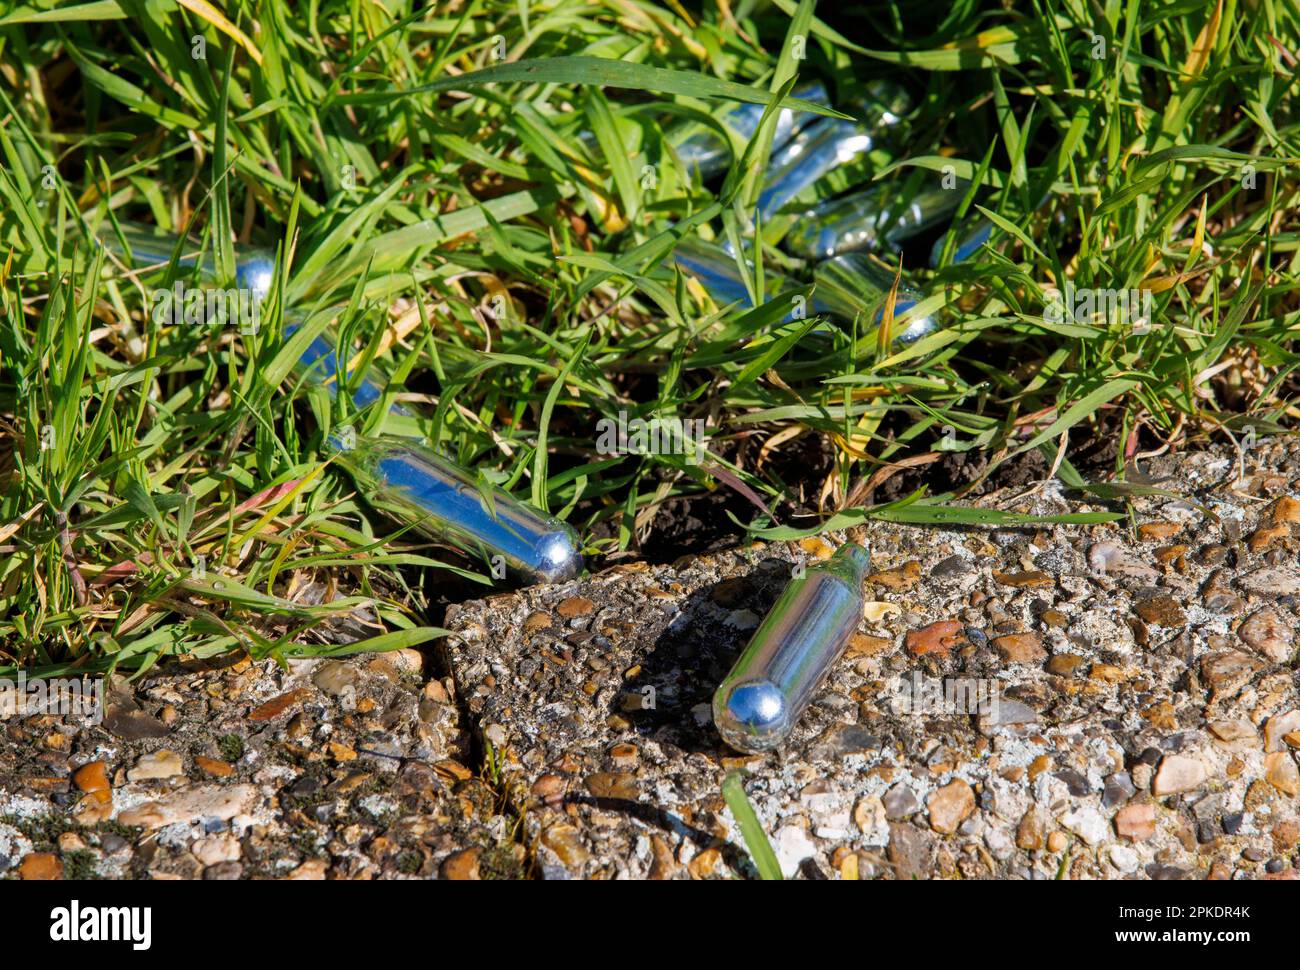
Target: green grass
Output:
[
  {"x": 399, "y": 169},
  {"x": 760, "y": 849}
]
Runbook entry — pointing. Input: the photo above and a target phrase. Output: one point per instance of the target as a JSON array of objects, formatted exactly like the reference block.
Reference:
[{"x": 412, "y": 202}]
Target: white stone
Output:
[
  {"x": 1123, "y": 858},
  {"x": 1087, "y": 823},
  {"x": 192, "y": 805},
  {"x": 792, "y": 847},
  {"x": 1179, "y": 773},
  {"x": 214, "y": 849},
  {"x": 1271, "y": 582},
  {"x": 160, "y": 764},
  {"x": 998, "y": 839}
]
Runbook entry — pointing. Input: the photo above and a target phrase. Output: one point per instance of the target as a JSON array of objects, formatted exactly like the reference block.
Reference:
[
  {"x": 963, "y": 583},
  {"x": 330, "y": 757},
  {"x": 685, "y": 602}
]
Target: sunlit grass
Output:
[{"x": 498, "y": 214}]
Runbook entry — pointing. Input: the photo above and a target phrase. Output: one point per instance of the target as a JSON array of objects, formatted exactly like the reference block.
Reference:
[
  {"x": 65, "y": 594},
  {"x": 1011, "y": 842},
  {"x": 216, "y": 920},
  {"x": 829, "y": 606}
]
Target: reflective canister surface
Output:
[
  {"x": 718, "y": 273},
  {"x": 798, "y": 642},
  {"x": 705, "y": 150},
  {"x": 442, "y": 500},
  {"x": 855, "y": 284},
  {"x": 829, "y": 143},
  {"x": 142, "y": 247},
  {"x": 868, "y": 220}
]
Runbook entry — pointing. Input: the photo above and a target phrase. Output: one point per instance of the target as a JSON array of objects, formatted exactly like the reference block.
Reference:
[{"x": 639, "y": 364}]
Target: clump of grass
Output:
[
  {"x": 409, "y": 862},
  {"x": 43, "y": 830},
  {"x": 489, "y": 225},
  {"x": 231, "y": 747},
  {"x": 79, "y": 864},
  {"x": 500, "y": 862}
]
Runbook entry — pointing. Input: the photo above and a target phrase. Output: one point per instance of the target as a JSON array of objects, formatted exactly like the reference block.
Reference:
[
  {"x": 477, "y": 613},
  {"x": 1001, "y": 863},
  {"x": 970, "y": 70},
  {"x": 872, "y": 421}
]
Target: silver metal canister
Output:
[
  {"x": 831, "y": 142},
  {"x": 869, "y": 220},
  {"x": 801, "y": 638},
  {"x": 142, "y": 247},
  {"x": 705, "y": 150},
  {"x": 856, "y": 283},
  {"x": 409, "y": 481},
  {"x": 416, "y": 485},
  {"x": 441, "y": 499},
  {"x": 718, "y": 273}
]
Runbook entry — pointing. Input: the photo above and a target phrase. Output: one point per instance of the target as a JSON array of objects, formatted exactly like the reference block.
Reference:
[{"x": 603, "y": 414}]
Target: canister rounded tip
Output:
[
  {"x": 559, "y": 556},
  {"x": 751, "y": 715},
  {"x": 255, "y": 272}
]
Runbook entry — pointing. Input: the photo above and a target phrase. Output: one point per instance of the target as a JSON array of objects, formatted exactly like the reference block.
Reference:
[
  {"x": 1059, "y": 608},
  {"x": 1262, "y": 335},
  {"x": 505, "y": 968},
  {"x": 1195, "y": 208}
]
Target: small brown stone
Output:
[
  {"x": 1280, "y": 771},
  {"x": 566, "y": 843},
  {"x": 1217, "y": 594},
  {"x": 40, "y": 866},
  {"x": 846, "y": 862},
  {"x": 1285, "y": 511},
  {"x": 452, "y": 770},
  {"x": 1161, "y": 716},
  {"x": 1039, "y": 765},
  {"x": 817, "y": 548},
  {"x": 462, "y": 865},
  {"x": 549, "y": 788},
  {"x": 1227, "y": 671},
  {"x": 535, "y": 622},
  {"x": 278, "y": 705},
  {"x": 1212, "y": 554},
  {"x": 1055, "y": 618},
  {"x": 313, "y": 870},
  {"x": 1265, "y": 536},
  {"x": 92, "y": 777},
  {"x": 1136, "y": 822},
  {"x": 911, "y": 850},
  {"x": 1286, "y": 835},
  {"x": 574, "y": 607},
  {"x": 1031, "y": 579},
  {"x": 213, "y": 766},
  {"x": 950, "y": 805},
  {"x": 624, "y": 755},
  {"x": 1162, "y": 610},
  {"x": 1021, "y": 648},
  {"x": 1266, "y": 632},
  {"x": 94, "y": 807},
  {"x": 706, "y": 865},
  {"x": 1233, "y": 730},
  {"x": 341, "y": 752},
  {"x": 1259, "y": 793},
  {"x": 156, "y": 765},
  {"x": 1106, "y": 673},
  {"x": 1029, "y": 833},
  {"x": 867, "y": 812},
  {"x": 1064, "y": 664},
  {"x": 1159, "y": 530},
  {"x": 937, "y": 638},
  {"x": 1167, "y": 555},
  {"x": 900, "y": 578},
  {"x": 1278, "y": 727},
  {"x": 613, "y": 784},
  {"x": 664, "y": 865},
  {"x": 1056, "y": 842},
  {"x": 862, "y": 645}
]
